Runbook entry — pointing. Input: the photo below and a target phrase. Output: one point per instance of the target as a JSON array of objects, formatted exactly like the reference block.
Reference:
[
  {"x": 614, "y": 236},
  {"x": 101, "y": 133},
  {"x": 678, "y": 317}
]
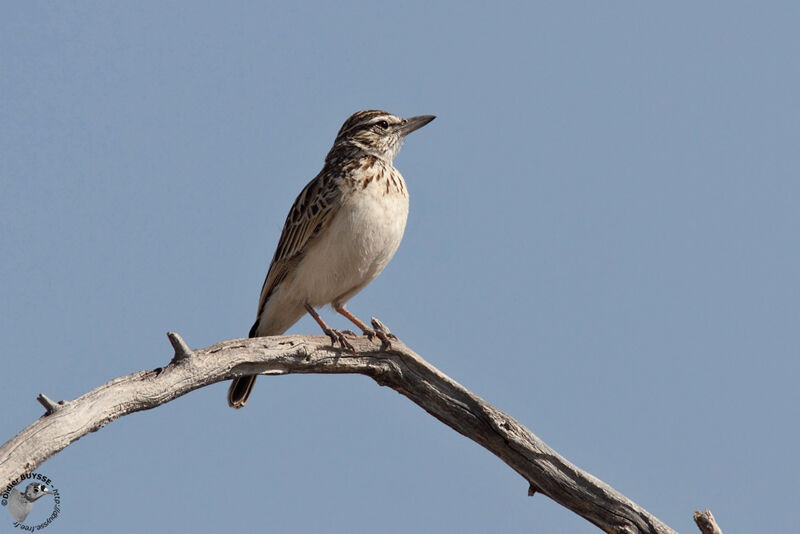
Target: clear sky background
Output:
[{"x": 603, "y": 242}]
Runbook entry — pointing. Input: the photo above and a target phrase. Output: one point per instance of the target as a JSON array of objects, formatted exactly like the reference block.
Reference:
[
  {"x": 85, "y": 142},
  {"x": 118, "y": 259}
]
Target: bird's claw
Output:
[
  {"x": 385, "y": 343},
  {"x": 337, "y": 335},
  {"x": 370, "y": 333},
  {"x": 378, "y": 325},
  {"x": 383, "y": 333}
]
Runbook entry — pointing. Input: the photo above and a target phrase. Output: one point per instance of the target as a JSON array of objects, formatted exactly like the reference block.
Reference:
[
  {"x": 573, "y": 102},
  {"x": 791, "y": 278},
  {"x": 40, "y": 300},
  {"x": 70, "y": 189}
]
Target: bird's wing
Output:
[{"x": 310, "y": 215}]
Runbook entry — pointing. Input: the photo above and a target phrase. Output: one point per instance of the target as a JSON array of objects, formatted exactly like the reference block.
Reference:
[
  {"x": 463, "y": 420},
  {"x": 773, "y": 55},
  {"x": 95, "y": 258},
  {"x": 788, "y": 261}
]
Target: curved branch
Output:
[{"x": 399, "y": 368}]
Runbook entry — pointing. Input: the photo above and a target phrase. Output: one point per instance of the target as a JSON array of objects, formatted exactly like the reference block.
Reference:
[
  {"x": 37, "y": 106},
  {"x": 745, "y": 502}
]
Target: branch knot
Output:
[
  {"x": 49, "y": 404},
  {"x": 182, "y": 350}
]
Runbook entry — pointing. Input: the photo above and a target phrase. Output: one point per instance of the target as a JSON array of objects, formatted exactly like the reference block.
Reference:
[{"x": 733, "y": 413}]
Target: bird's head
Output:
[
  {"x": 377, "y": 132},
  {"x": 35, "y": 491}
]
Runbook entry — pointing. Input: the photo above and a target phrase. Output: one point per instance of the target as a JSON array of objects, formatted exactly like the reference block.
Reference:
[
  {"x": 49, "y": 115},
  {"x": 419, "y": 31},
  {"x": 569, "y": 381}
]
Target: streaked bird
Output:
[
  {"x": 20, "y": 503},
  {"x": 342, "y": 230}
]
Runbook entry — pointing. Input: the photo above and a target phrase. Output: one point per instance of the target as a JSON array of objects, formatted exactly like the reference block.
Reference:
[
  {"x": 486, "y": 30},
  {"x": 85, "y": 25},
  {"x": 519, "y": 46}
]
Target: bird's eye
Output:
[{"x": 383, "y": 124}]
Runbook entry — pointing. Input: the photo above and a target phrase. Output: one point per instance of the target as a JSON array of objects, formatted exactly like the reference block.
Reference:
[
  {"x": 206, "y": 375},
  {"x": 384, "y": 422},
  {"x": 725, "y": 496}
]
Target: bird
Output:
[
  {"x": 340, "y": 233},
  {"x": 21, "y": 503}
]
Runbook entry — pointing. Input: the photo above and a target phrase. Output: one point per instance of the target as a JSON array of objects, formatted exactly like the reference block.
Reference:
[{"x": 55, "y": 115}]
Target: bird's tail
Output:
[
  {"x": 241, "y": 387},
  {"x": 239, "y": 391}
]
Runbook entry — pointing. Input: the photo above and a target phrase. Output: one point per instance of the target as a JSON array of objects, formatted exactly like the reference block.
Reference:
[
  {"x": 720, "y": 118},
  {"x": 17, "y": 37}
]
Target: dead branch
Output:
[{"x": 399, "y": 368}]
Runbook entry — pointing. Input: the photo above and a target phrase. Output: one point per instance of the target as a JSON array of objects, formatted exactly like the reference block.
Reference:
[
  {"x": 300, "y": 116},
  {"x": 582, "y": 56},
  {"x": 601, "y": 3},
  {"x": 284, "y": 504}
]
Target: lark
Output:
[{"x": 341, "y": 232}]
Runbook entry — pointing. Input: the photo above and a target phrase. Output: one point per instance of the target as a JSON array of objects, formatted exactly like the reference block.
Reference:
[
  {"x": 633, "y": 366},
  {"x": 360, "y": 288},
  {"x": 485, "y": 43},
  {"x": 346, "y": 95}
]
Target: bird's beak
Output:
[
  {"x": 47, "y": 490},
  {"x": 415, "y": 123}
]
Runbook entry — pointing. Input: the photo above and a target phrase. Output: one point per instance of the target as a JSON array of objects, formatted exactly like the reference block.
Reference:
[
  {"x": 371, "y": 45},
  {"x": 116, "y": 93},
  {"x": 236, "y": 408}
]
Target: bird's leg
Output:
[
  {"x": 335, "y": 335},
  {"x": 380, "y": 333},
  {"x": 355, "y": 320}
]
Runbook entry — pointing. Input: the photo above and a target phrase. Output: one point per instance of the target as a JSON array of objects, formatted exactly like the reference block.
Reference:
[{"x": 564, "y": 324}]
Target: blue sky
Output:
[{"x": 603, "y": 242}]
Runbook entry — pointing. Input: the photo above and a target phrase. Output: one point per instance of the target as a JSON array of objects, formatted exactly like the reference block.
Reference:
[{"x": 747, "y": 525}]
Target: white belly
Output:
[{"x": 362, "y": 238}]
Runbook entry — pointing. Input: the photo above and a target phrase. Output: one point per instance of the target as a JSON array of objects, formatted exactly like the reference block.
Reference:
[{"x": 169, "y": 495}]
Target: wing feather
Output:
[{"x": 310, "y": 215}]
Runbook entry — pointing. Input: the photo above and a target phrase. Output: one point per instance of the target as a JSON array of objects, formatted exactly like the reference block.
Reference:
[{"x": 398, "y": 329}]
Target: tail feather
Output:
[
  {"x": 240, "y": 390},
  {"x": 241, "y": 387}
]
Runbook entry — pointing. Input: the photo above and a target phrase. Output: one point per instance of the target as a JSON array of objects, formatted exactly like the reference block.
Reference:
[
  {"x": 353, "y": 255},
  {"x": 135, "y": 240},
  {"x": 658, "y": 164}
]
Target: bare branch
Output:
[
  {"x": 399, "y": 368},
  {"x": 706, "y": 522}
]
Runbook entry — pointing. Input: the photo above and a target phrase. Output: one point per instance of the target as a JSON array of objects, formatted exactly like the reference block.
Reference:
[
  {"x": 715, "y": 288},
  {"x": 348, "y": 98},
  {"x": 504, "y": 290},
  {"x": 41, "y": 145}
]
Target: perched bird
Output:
[
  {"x": 342, "y": 230},
  {"x": 21, "y": 503}
]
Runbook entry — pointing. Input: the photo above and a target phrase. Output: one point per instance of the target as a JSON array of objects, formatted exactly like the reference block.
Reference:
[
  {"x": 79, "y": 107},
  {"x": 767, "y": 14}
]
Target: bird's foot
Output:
[
  {"x": 382, "y": 332},
  {"x": 337, "y": 335},
  {"x": 378, "y": 325},
  {"x": 349, "y": 333}
]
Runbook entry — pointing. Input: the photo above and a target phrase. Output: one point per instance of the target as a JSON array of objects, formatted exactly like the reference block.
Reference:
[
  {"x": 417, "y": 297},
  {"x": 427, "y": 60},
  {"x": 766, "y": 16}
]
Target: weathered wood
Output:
[
  {"x": 399, "y": 368},
  {"x": 706, "y": 523},
  {"x": 49, "y": 404},
  {"x": 182, "y": 350}
]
